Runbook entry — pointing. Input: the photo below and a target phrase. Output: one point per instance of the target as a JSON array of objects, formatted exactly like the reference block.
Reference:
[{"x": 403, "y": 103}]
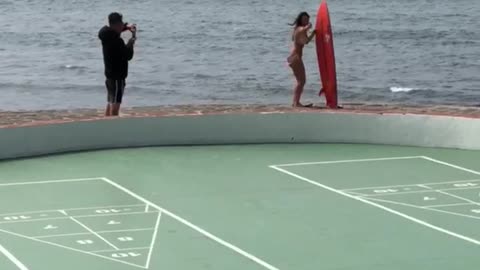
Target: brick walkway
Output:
[{"x": 24, "y": 118}]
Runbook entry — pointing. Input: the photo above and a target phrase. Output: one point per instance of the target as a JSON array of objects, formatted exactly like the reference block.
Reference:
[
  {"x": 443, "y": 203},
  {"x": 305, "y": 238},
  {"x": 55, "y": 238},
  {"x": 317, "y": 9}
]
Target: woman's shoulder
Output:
[{"x": 297, "y": 30}]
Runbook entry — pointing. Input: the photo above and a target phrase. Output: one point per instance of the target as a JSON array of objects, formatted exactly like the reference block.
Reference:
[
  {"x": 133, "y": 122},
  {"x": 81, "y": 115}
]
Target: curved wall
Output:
[{"x": 408, "y": 130}]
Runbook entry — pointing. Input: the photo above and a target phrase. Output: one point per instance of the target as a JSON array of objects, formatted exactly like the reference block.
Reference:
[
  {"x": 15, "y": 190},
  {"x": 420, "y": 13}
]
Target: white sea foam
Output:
[{"x": 401, "y": 89}]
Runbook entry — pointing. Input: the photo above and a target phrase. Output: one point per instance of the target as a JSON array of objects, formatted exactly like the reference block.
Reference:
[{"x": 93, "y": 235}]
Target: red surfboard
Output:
[{"x": 326, "y": 56}]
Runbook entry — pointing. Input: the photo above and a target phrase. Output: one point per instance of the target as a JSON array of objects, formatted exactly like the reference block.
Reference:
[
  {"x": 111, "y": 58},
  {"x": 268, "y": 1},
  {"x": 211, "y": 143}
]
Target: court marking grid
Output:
[
  {"x": 426, "y": 196},
  {"x": 112, "y": 212}
]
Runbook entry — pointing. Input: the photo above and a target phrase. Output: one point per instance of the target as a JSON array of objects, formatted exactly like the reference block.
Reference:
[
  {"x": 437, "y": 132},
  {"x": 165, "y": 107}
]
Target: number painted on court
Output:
[
  {"x": 385, "y": 190},
  {"x": 125, "y": 239},
  {"x": 11, "y": 218},
  {"x": 85, "y": 242},
  {"x": 465, "y": 185},
  {"x": 476, "y": 211},
  {"x": 126, "y": 255},
  {"x": 107, "y": 211},
  {"x": 50, "y": 227},
  {"x": 113, "y": 222}
]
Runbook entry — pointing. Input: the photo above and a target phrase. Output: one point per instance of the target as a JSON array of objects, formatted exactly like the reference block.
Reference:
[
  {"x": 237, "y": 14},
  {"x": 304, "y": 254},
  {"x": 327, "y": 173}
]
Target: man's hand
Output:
[
  {"x": 131, "y": 42},
  {"x": 133, "y": 29}
]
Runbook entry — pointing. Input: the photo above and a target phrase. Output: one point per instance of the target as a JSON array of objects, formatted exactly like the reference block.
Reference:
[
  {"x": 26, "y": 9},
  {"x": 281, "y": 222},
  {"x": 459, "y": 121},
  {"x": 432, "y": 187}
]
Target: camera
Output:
[{"x": 130, "y": 27}]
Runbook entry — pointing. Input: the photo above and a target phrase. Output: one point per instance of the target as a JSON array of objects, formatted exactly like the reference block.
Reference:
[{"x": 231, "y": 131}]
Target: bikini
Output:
[{"x": 295, "y": 57}]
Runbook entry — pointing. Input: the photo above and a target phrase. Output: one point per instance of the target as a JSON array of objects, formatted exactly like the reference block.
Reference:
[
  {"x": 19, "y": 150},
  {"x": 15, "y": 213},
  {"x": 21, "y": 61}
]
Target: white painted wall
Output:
[{"x": 410, "y": 130}]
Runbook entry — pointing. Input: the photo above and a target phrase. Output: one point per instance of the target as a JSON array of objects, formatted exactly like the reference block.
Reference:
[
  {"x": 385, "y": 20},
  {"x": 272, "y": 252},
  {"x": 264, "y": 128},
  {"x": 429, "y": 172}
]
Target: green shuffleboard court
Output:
[{"x": 251, "y": 207}]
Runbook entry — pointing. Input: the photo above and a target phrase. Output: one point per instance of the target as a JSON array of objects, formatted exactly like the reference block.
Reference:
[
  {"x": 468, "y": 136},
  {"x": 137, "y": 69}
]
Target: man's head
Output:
[{"x": 115, "y": 21}]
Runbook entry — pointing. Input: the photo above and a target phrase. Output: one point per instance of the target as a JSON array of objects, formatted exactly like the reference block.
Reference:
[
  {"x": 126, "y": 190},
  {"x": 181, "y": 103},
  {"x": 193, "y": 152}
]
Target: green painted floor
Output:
[{"x": 237, "y": 207}]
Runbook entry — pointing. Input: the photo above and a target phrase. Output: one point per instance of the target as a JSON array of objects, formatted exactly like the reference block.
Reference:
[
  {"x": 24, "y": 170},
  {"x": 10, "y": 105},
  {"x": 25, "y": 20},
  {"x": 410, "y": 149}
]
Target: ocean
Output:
[{"x": 234, "y": 52}]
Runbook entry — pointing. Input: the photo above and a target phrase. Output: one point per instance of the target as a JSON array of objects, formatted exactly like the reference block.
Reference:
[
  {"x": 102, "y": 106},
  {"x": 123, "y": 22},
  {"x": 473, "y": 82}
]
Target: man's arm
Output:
[
  {"x": 131, "y": 42},
  {"x": 128, "y": 51},
  {"x": 125, "y": 51}
]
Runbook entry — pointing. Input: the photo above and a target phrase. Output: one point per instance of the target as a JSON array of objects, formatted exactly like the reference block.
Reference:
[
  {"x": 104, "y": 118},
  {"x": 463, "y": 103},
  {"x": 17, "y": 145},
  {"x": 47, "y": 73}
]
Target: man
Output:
[{"x": 116, "y": 55}]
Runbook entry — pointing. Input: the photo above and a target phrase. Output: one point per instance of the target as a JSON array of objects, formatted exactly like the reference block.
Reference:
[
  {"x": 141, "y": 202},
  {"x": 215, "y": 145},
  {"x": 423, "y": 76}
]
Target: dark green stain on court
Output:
[{"x": 232, "y": 193}]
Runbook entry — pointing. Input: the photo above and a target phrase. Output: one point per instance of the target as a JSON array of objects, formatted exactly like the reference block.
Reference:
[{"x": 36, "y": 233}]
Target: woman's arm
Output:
[
  {"x": 311, "y": 36},
  {"x": 304, "y": 29}
]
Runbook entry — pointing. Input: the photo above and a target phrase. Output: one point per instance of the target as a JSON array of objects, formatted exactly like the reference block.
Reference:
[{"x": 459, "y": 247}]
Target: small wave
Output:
[
  {"x": 401, "y": 89},
  {"x": 72, "y": 67}
]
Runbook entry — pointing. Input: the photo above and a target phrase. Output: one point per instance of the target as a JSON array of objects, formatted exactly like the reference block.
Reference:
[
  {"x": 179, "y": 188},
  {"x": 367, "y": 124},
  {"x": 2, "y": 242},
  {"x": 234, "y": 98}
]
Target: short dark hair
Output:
[{"x": 115, "y": 18}]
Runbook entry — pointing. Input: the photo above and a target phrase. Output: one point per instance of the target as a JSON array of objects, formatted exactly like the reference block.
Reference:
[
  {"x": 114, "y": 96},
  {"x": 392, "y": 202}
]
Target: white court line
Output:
[
  {"x": 29, "y": 213},
  {"x": 195, "y": 227},
  {"x": 123, "y": 249},
  {"x": 75, "y": 234},
  {"x": 170, "y": 214},
  {"x": 428, "y": 208},
  {"x": 413, "y": 185},
  {"x": 397, "y": 193},
  {"x": 356, "y": 193},
  {"x": 447, "y": 205},
  {"x": 455, "y": 167},
  {"x": 154, "y": 237},
  {"x": 12, "y": 258},
  {"x": 452, "y": 213},
  {"x": 69, "y": 209},
  {"x": 427, "y": 189},
  {"x": 102, "y": 207},
  {"x": 69, "y": 248},
  {"x": 451, "y": 165},
  {"x": 418, "y": 221},
  {"x": 345, "y": 161},
  {"x": 94, "y": 233},
  {"x": 81, "y": 216},
  {"x": 413, "y": 205},
  {"x": 51, "y": 181},
  {"x": 393, "y": 202},
  {"x": 459, "y": 197}
]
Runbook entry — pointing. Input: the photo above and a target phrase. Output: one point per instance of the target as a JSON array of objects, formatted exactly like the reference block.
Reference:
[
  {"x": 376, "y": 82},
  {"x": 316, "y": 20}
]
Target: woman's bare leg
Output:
[{"x": 300, "y": 76}]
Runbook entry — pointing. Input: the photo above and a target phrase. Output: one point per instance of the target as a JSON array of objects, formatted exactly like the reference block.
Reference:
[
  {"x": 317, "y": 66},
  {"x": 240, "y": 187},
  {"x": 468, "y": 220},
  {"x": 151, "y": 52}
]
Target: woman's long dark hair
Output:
[{"x": 298, "y": 20}]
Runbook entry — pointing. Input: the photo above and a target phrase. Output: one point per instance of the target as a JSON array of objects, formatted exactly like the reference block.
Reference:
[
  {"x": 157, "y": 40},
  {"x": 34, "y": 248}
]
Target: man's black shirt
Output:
[{"x": 115, "y": 54}]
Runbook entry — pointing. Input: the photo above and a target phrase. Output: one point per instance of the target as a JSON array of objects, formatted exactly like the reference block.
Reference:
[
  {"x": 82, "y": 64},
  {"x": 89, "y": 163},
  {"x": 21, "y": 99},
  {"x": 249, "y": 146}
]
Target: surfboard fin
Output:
[{"x": 321, "y": 92}]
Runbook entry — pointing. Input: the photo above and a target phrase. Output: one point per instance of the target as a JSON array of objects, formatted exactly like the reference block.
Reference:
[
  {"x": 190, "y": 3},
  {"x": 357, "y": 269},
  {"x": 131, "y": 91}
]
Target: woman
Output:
[{"x": 300, "y": 37}]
